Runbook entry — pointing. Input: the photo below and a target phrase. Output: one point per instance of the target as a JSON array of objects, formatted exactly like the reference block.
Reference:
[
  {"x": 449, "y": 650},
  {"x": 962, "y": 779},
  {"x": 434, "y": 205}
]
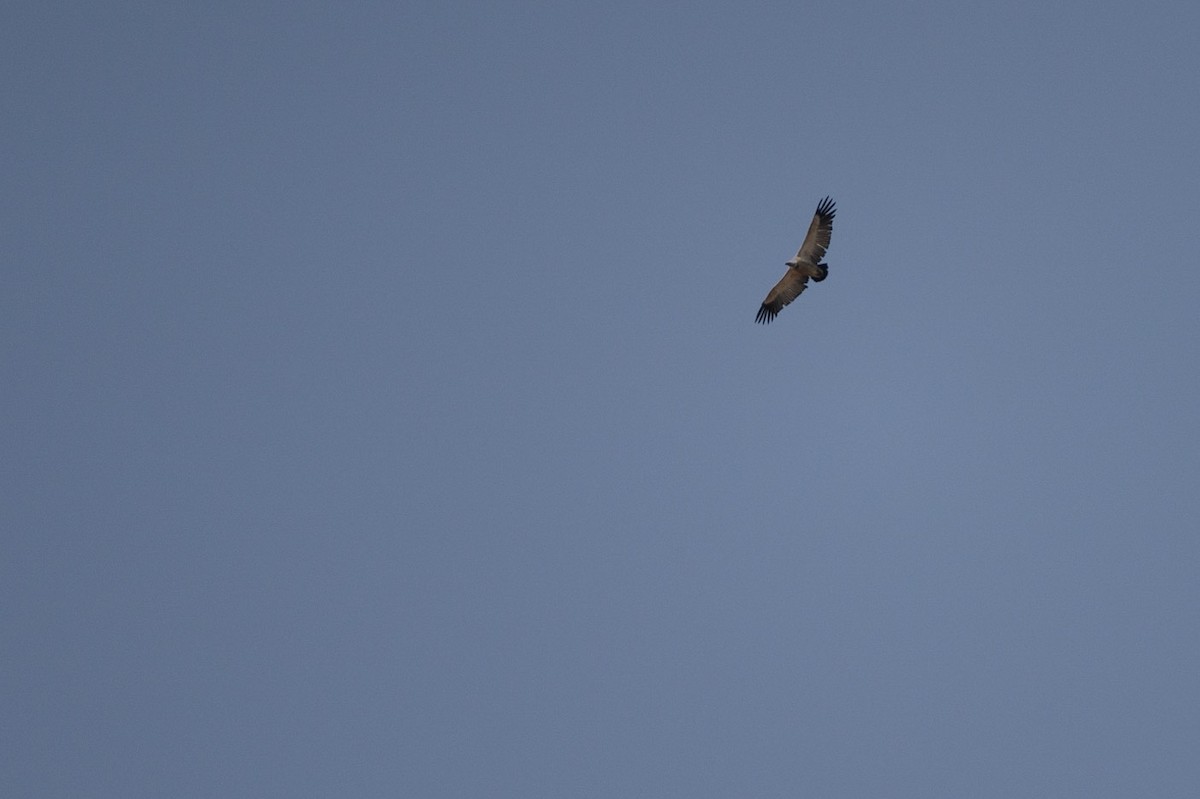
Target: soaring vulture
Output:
[{"x": 806, "y": 264}]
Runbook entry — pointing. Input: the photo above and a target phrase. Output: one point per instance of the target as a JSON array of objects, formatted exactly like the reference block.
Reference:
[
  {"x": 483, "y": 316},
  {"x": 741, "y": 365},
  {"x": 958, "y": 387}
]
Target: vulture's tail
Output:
[{"x": 824, "y": 272}]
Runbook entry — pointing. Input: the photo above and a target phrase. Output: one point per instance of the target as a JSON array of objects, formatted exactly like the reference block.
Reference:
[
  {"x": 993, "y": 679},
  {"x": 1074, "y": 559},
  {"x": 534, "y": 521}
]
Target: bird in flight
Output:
[{"x": 806, "y": 264}]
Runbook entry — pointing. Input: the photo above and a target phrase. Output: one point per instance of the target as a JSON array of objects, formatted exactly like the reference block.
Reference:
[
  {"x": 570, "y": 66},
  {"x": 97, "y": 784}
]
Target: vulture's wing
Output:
[
  {"x": 817, "y": 240},
  {"x": 787, "y": 289}
]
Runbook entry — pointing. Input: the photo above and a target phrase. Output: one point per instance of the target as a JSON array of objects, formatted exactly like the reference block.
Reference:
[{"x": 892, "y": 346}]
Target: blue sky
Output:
[{"x": 384, "y": 413}]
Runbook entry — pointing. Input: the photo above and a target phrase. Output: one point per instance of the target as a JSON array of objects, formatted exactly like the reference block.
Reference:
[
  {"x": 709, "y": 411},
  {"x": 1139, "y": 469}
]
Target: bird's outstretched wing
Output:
[
  {"x": 819, "y": 231},
  {"x": 807, "y": 264},
  {"x": 787, "y": 289}
]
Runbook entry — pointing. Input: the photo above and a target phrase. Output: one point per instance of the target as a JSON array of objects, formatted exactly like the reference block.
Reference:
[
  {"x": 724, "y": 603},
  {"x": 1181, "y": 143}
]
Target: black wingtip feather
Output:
[
  {"x": 827, "y": 207},
  {"x": 764, "y": 316}
]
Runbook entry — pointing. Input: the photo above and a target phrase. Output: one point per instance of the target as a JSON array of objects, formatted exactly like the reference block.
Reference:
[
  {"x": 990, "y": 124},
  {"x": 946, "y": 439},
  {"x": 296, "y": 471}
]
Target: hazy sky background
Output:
[{"x": 384, "y": 413}]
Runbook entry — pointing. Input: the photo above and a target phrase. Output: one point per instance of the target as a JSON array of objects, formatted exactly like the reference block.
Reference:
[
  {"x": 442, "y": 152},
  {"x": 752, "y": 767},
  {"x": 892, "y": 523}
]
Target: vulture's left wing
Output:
[{"x": 819, "y": 231}]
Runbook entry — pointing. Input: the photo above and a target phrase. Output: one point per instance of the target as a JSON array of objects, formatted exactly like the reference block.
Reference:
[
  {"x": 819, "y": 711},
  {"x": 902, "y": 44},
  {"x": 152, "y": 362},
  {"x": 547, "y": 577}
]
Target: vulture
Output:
[{"x": 806, "y": 264}]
